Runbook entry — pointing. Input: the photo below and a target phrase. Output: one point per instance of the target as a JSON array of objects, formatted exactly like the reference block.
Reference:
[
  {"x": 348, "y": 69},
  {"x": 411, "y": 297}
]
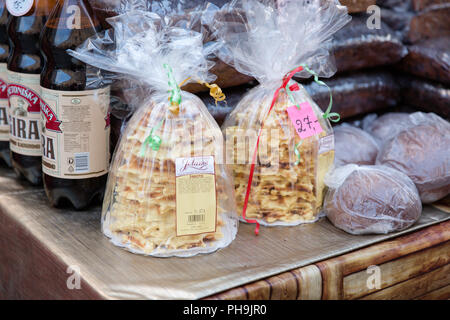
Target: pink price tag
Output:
[{"x": 304, "y": 120}]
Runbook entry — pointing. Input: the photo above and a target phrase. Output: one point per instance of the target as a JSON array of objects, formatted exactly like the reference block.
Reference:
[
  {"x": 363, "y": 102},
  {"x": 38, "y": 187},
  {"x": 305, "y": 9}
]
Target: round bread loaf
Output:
[
  {"x": 353, "y": 145},
  {"x": 422, "y": 151},
  {"x": 386, "y": 126},
  {"x": 371, "y": 199}
]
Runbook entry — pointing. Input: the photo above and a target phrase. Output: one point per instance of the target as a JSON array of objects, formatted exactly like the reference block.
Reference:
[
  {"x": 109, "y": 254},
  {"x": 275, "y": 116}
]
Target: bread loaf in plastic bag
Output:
[
  {"x": 386, "y": 126},
  {"x": 421, "y": 151},
  {"x": 371, "y": 200},
  {"x": 354, "y": 146}
]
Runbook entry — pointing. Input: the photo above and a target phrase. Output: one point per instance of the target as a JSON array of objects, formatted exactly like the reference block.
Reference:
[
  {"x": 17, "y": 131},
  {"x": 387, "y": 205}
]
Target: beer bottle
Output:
[
  {"x": 4, "y": 116},
  {"x": 75, "y": 115},
  {"x": 24, "y": 67}
]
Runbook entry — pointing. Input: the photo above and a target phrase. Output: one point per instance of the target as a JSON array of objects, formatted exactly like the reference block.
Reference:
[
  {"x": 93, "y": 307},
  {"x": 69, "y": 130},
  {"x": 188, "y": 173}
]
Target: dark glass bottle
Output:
[
  {"x": 24, "y": 67},
  {"x": 4, "y": 116},
  {"x": 75, "y": 116}
]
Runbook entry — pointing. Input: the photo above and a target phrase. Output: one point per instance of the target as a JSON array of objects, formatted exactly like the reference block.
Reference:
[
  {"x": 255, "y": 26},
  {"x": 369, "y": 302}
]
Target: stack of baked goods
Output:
[
  {"x": 142, "y": 212},
  {"x": 287, "y": 188}
]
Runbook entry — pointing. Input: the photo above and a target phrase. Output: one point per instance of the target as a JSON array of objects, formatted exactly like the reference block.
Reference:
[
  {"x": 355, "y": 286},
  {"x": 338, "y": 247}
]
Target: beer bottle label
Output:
[
  {"x": 24, "y": 112},
  {"x": 19, "y": 8},
  {"x": 4, "y": 116},
  {"x": 75, "y": 133}
]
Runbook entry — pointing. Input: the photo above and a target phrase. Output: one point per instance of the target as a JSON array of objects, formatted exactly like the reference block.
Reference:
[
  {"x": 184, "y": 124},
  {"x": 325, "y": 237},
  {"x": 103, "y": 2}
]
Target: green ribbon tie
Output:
[
  {"x": 332, "y": 116},
  {"x": 175, "y": 91},
  {"x": 297, "y": 153},
  {"x": 152, "y": 141}
]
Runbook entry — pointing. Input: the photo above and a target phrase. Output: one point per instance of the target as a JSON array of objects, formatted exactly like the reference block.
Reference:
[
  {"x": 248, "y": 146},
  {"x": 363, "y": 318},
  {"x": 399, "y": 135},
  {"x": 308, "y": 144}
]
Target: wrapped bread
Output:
[
  {"x": 285, "y": 185},
  {"x": 421, "y": 151},
  {"x": 371, "y": 199},
  {"x": 169, "y": 191},
  {"x": 354, "y": 145},
  {"x": 425, "y": 95},
  {"x": 386, "y": 126},
  {"x": 431, "y": 22},
  {"x": 429, "y": 59},
  {"x": 358, "y": 93},
  {"x": 357, "y": 47}
]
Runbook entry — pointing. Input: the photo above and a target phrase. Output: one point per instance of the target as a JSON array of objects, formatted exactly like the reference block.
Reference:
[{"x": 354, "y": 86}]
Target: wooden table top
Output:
[{"x": 45, "y": 250}]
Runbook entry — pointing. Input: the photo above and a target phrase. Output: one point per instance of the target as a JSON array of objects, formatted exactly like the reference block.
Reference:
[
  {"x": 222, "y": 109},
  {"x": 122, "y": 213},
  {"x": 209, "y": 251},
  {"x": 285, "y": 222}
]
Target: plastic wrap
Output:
[
  {"x": 356, "y": 46},
  {"x": 431, "y": 22},
  {"x": 397, "y": 5},
  {"x": 421, "y": 151},
  {"x": 404, "y": 5},
  {"x": 187, "y": 14},
  {"x": 267, "y": 42},
  {"x": 166, "y": 146},
  {"x": 419, "y": 5},
  {"x": 354, "y": 146},
  {"x": 425, "y": 95},
  {"x": 220, "y": 110},
  {"x": 429, "y": 59},
  {"x": 358, "y": 93},
  {"x": 371, "y": 199},
  {"x": 386, "y": 126}
]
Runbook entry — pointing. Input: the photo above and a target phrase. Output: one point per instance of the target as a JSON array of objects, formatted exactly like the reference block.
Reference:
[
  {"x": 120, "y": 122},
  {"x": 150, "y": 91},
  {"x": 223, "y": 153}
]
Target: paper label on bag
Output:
[
  {"x": 195, "y": 195},
  {"x": 75, "y": 133},
  {"x": 24, "y": 113},
  {"x": 304, "y": 120},
  {"x": 19, "y": 8},
  {"x": 4, "y": 104}
]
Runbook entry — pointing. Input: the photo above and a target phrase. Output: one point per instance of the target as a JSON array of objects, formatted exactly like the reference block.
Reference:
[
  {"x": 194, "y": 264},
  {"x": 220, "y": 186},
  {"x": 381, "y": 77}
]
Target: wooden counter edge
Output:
[{"x": 325, "y": 280}]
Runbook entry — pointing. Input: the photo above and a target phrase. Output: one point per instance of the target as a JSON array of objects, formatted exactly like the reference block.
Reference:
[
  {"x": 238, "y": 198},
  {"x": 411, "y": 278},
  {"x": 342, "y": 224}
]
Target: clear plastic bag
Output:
[
  {"x": 429, "y": 96},
  {"x": 169, "y": 192},
  {"x": 429, "y": 59},
  {"x": 421, "y": 151},
  {"x": 357, "y": 47},
  {"x": 354, "y": 146},
  {"x": 371, "y": 199},
  {"x": 358, "y": 93},
  {"x": 267, "y": 42},
  {"x": 431, "y": 22},
  {"x": 385, "y": 127}
]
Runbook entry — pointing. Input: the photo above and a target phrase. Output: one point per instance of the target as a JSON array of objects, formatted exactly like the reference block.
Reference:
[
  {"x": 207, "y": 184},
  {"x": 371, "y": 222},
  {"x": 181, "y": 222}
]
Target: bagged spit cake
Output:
[
  {"x": 277, "y": 126},
  {"x": 169, "y": 192}
]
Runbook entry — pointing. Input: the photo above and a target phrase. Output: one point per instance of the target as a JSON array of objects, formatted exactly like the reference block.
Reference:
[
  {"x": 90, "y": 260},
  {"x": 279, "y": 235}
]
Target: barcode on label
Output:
[
  {"x": 196, "y": 218},
  {"x": 82, "y": 162}
]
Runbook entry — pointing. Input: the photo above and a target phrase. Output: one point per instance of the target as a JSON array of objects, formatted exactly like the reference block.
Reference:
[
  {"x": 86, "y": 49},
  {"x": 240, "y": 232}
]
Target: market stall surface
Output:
[{"x": 44, "y": 249}]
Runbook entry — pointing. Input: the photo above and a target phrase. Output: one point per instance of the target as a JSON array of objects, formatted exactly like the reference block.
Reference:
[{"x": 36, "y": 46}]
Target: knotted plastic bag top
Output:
[
  {"x": 266, "y": 41},
  {"x": 140, "y": 44}
]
